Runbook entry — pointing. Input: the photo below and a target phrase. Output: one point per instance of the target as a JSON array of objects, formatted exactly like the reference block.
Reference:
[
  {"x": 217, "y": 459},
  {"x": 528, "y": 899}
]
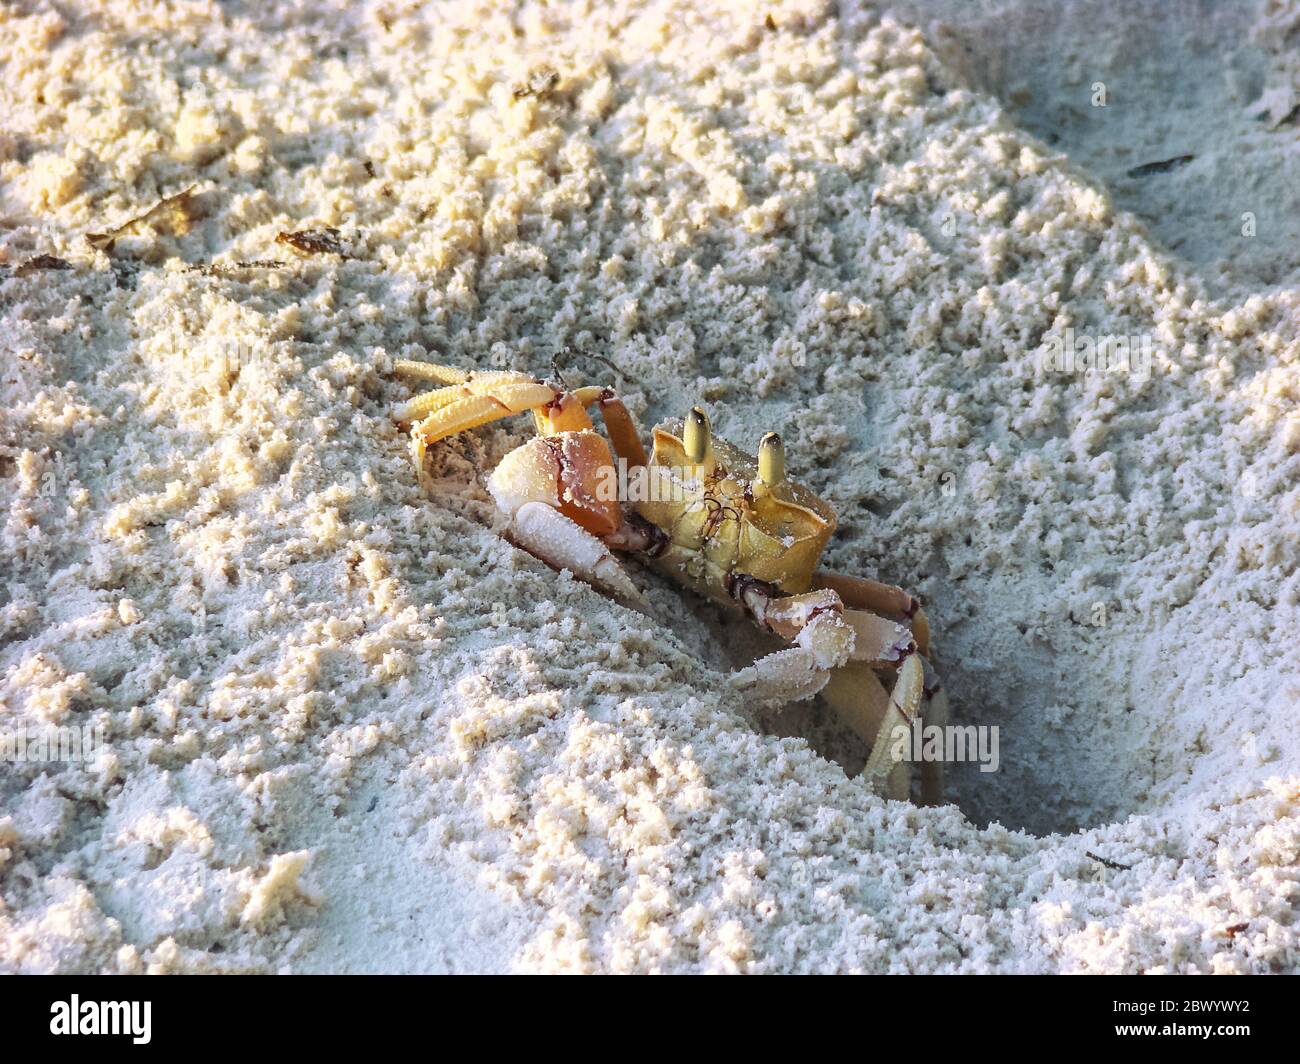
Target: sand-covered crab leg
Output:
[
  {"x": 886, "y": 599},
  {"x": 825, "y": 635},
  {"x": 862, "y": 703},
  {"x": 839, "y": 652},
  {"x": 463, "y": 402},
  {"x": 894, "y": 602},
  {"x": 817, "y": 622},
  {"x": 476, "y": 401},
  {"x": 859, "y": 699}
]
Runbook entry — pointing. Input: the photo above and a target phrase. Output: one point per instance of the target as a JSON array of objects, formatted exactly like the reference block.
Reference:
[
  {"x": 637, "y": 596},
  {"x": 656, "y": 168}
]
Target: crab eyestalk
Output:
[
  {"x": 697, "y": 437},
  {"x": 771, "y": 461}
]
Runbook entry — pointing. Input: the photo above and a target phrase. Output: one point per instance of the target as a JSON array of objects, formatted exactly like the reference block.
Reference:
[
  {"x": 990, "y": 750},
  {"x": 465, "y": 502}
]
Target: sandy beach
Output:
[{"x": 333, "y": 722}]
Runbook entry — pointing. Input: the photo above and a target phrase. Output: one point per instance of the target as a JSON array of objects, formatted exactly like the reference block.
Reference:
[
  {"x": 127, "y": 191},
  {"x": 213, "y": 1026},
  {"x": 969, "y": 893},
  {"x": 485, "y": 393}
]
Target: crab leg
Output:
[
  {"x": 784, "y": 676},
  {"x": 934, "y": 710},
  {"x": 472, "y": 399},
  {"x": 619, "y": 423},
  {"x": 872, "y": 595},
  {"x": 441, "y": 416},
  {"x": 859, "y": 699},
  {"x": 824, "y": 641},
  {"x": 447, "y": 411},
  {"x": 862, "y": 704},
  {"x": 852, "y": 635},
  {"x": 852, "y": 643},
  {"x": 856, "y": 694},
  {"x": 458, "y": 385},
  {"x": 431, "y": 371},
  {"x": 882, "y": 773}
]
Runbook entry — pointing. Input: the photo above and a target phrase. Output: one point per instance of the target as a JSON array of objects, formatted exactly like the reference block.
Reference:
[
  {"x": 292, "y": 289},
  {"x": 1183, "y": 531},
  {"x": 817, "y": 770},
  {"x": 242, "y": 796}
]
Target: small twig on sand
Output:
[{"x": 1114, "y": 866}]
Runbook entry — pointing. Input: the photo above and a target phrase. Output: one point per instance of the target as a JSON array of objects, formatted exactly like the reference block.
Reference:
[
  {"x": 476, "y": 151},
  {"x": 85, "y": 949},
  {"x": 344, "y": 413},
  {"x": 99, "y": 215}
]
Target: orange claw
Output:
[
  {"x": 572, "y": 472},
  {"x": 565, "y": 413}
]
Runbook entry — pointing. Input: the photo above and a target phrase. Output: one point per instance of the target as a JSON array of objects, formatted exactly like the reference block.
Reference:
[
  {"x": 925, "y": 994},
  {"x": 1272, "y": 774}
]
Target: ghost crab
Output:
[{"x": 727, "y": 524}]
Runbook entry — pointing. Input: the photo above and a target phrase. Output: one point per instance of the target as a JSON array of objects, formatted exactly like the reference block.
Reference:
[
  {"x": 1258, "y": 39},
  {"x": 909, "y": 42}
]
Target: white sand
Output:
[{"x": 349, "y": 728}]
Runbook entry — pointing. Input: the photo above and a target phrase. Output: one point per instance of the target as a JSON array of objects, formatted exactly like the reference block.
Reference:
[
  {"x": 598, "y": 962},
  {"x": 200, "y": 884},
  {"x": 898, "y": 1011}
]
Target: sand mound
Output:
[{"x": 346, "y": 726}]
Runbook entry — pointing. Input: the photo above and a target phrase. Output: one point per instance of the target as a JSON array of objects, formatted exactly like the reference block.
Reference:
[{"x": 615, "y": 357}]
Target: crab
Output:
[{"x": 713, "y": 518}]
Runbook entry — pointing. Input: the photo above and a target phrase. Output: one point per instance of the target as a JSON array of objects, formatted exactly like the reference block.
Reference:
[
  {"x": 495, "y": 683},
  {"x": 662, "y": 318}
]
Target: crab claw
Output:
[
  {"x": 560, "y": 541},
  {"x": 569, "y": 472}
]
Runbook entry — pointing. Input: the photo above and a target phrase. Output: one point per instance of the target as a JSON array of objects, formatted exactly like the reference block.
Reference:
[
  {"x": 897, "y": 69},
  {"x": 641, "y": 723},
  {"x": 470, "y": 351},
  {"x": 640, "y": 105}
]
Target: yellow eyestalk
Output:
[
  {"x": 771, "y": 461},
  {"x": 697, "y": 436}
]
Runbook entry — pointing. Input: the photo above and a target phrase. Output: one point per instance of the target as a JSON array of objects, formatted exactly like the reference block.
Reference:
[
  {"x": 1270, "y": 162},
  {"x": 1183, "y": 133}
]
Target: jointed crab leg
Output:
[
  {"x": 933, "y": 700},
  {"x": 431, "y": 371},
  {"x": 859, "y": 699},
  {"x": 472, "y": 399},
  {"x": 863, "y": 704},
  {"x": 878, "y": 598},
  {"x": 826, "y": 637},
  {"x": 458, "y": 407},
  {"x": 784, "y": 676},
  {"x": 622, "y": 428},
  {"x": 881, "y": 771},
  {"x": 854, "y": 691},
  {"x": 894, "y": 601},
  {"x": 850, "y": 635},
  {"x": 837, "y": 652}
]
